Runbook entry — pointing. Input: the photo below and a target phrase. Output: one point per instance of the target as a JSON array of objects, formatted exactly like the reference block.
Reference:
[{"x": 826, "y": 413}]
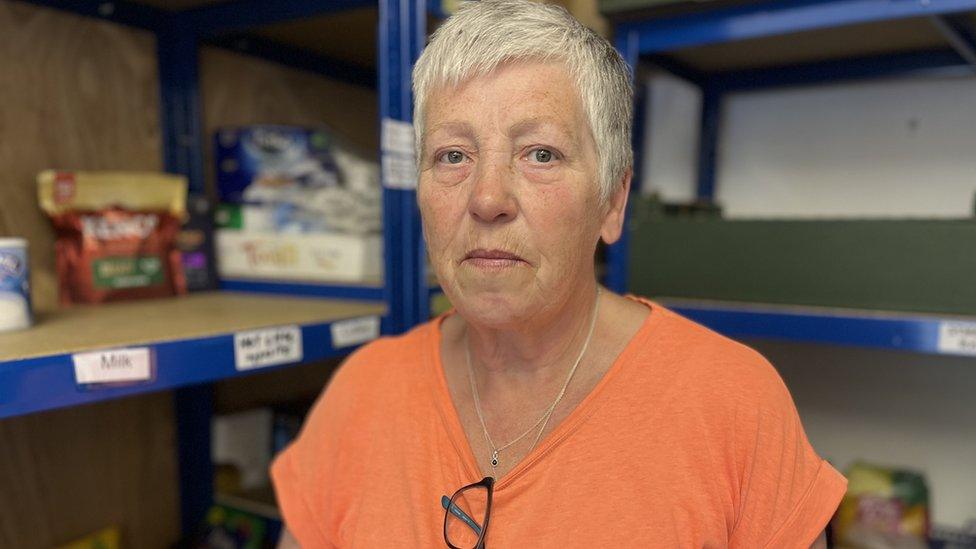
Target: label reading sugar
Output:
[
  {"x": 958, "y": 338},
  {"x": 113, "y": 366},
  {"x": 267, "y": 347},
  {"x": 355, "y": 331},
  {"x": 397, "y": 136}
]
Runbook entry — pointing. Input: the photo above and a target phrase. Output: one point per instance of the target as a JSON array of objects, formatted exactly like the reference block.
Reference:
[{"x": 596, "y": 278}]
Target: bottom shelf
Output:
[
  {"x": 260, "y": 502},
  {"x": 887, "y": 330},
  {"x": 249, "y": 519}
]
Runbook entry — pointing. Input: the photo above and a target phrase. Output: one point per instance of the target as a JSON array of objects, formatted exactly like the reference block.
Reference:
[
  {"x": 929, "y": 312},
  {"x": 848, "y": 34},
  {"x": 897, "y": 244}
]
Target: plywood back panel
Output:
[
  {"x": 66, "y": 473},
  {"x": 75, "y": 93},
  {"x": 239, "y": 90},
  {"x": 280, "y": 386}
]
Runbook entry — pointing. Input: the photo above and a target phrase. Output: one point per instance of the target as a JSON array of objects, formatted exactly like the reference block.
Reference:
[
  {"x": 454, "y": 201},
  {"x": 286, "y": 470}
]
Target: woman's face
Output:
[{"x": 509, "y": 193}]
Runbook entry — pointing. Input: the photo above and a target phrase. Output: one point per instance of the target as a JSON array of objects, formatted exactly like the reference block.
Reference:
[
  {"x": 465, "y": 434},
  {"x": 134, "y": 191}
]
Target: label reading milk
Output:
[
  {"x": 355, "y": 331},
  {"x": 117, "y": 365},
  {"x": 267, "y": 347},
  {"x": 957, "y": 338}
]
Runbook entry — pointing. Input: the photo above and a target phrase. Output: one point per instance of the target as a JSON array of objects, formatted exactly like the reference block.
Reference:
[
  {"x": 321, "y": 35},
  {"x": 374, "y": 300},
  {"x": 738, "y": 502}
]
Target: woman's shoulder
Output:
[
  {"x": 680, "y": 348},
  {"x": 389, "y": 357}
]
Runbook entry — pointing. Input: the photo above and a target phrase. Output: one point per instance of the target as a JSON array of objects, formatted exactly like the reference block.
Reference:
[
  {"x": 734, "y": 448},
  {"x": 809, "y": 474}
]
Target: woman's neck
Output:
[{"x": 539, "y": 351}]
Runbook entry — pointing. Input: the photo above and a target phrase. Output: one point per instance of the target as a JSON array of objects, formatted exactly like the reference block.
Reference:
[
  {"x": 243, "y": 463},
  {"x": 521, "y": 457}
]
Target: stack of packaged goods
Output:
[
  {"x": 884, "y": 508},
  {"x": 294, "y": 205}
]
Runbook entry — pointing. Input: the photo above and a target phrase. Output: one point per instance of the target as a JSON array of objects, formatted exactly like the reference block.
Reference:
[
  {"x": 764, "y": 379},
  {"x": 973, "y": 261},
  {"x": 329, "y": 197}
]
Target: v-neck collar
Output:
[{"x": 452, "y": 418}]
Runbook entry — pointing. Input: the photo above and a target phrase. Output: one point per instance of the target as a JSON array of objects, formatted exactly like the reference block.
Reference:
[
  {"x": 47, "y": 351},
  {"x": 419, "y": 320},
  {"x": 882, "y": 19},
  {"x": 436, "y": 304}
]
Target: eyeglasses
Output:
[{"x": 466, "y": 515}]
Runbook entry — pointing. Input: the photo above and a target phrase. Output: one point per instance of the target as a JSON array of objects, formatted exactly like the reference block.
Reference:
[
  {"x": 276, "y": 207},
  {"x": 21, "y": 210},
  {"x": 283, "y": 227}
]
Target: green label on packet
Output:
[
  {"x": 229, "y": 216},
  {"x": 127, "y": 272}
]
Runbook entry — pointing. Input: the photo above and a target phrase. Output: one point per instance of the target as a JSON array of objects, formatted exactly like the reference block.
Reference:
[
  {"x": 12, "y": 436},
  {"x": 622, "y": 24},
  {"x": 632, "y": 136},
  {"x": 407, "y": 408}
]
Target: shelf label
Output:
[
  {"x": 957, "y": 338},
  {"x": 346, "y": 333},
  {"x": 398, "y": 163},
  {"x": 267, "y": 347},
  {"x": 117, "y": 365},
  {"x": 397, "y": 136},
  {"x": 399, "y": 171}
]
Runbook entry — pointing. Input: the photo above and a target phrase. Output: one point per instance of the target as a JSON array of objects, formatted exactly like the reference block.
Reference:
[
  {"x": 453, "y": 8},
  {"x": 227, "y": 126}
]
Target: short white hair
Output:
[{"x": 484, "y": 34}]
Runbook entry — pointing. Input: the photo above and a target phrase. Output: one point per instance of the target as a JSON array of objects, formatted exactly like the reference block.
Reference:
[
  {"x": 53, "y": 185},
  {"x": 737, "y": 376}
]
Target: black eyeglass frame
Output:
[{"x": 489, "y": 484}]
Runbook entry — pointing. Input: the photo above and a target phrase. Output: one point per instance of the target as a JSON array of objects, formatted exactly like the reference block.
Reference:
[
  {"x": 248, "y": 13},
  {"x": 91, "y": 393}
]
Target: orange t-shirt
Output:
[{"x": 689, "y": 440}]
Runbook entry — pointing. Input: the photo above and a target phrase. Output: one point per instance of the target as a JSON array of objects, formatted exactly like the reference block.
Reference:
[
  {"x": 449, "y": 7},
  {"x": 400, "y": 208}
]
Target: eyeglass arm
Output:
[{"x": 456, "y": 511}]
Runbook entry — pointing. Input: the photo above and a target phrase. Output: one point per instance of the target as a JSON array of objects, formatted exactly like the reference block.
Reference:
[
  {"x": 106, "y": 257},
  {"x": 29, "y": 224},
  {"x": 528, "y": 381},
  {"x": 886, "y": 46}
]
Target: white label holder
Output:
[
  {"x": 113, "y": 366},
  {"x": 957, "y": 338},
  {"x": 267, "y": 347},
  {"x": 346, "y": 333}
]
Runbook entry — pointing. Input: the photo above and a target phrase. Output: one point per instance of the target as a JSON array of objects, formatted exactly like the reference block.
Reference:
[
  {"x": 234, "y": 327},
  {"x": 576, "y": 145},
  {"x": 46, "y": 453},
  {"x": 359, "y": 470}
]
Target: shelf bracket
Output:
[
  {"x": 677, "y": 68},
  {"x": 711, "y": 117},
  {"x": 242, "y": 15},
  {"x": 297, "y": 58},
  {"x": 959, "y": 36}
]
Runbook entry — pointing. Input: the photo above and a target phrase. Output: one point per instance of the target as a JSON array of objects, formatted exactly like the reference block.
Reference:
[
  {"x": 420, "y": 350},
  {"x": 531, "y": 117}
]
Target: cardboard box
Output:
[{"x": 319, "y": 257}]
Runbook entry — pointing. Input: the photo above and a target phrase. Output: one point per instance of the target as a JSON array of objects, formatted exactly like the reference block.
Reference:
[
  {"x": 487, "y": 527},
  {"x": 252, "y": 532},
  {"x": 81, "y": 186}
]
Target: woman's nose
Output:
[{"x": 491, "y": 197}]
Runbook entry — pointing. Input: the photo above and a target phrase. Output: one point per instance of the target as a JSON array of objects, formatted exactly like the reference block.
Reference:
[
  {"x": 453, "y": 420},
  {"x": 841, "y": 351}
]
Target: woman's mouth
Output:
[{"x": 492, "y": 259}]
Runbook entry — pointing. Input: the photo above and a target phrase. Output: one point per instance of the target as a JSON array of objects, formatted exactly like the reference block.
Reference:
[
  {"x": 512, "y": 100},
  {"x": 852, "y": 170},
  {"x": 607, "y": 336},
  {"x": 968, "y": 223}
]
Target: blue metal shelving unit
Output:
[
  {"x": 657, "y": 39},
  {"x": 188, "y": 365}
]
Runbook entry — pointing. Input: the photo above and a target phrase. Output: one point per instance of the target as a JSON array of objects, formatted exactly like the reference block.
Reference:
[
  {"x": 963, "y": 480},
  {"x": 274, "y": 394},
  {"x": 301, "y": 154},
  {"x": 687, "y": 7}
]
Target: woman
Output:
[{"x": 595, "y": 420}]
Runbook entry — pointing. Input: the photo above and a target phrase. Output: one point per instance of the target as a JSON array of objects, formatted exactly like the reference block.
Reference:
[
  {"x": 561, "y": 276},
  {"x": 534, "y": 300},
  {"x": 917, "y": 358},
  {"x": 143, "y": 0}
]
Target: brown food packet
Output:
[{"x": 116, "y": 234}]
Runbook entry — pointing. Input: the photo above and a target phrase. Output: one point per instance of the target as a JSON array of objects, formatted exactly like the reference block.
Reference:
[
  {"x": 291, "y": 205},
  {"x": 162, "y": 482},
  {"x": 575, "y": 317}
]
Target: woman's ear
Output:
[{"x": 613, "y": 219}]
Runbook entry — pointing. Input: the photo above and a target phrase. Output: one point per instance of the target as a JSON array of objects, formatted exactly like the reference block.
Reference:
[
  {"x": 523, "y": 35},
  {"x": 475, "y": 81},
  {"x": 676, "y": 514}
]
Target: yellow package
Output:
[
  {"x": 116, "y": 233},
  {"x": 883, "y": 508},
  {"x": 103, "y": 539}
]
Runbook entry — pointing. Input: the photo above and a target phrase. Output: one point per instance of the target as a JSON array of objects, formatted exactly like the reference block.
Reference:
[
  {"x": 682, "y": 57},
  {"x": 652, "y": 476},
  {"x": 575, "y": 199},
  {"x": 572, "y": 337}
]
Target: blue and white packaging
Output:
[
  {"x": 296, "y": 180},
  {"x": 15, "y": 305},
  {"x": 272, "y": 164}
]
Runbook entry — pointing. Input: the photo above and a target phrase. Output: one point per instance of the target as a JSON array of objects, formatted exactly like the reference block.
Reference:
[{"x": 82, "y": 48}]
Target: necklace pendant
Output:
[{"x": 494, "y": 459}]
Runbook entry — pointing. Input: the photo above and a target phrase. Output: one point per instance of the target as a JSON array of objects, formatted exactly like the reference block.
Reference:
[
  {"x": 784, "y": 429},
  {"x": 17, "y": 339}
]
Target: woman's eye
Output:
[
  {"x": 543, "y": 156},
  {"x": 452, "y": 157}
]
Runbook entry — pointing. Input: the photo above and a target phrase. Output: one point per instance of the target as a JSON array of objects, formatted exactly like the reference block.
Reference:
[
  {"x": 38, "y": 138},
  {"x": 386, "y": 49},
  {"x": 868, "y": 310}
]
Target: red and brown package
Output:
[{"x": 116, "y": 233}]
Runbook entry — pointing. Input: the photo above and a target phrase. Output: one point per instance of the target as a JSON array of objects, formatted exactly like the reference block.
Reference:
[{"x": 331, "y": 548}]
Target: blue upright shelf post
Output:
[
  {"x": 708, "y": 140},
  {"x": 616, "y": 275},
  {"x": 402, "y": 29},
  {"x": 180, "y": 118},
  {"x": 178, "y": 56}
]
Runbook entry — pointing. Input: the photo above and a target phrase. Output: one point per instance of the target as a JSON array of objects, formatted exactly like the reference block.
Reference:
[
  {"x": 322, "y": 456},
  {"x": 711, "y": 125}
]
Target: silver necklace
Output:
[{"x": 544, "y": 420}]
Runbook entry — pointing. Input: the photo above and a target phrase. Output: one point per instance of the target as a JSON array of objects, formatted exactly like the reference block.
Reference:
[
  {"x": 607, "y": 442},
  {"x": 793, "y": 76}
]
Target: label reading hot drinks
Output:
[
  {"x": 268, "y": 347},
  {"x": 957, "y": 338}
]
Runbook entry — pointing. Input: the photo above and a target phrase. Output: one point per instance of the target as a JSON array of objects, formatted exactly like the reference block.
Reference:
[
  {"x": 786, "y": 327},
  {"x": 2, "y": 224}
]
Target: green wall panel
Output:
[{"x": 901, "y": 265}]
